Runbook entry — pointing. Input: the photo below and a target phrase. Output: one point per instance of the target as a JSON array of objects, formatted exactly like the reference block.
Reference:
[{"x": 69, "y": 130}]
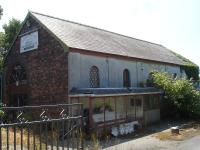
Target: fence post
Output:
[{"x": 82, "y": 126}]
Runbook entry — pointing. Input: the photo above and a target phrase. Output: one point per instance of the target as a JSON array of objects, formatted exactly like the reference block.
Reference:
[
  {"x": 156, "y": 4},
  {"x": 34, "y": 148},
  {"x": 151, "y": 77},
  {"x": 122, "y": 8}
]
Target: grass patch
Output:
[{"x": 25, "y": 139}]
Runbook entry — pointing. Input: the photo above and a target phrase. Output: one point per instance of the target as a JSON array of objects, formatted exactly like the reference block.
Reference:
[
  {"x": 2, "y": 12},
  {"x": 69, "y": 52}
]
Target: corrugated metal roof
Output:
[
  {"x": 102, "y": 91},
  {"x": 84, "y": 37}
]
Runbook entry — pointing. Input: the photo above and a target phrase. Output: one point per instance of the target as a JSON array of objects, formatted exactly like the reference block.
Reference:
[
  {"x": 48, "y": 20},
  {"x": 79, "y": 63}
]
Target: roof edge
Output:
[
  {"x": 94, "y": 28},
  {"x": 66, "y": 48},
  {"x": 15, "y": 38}
]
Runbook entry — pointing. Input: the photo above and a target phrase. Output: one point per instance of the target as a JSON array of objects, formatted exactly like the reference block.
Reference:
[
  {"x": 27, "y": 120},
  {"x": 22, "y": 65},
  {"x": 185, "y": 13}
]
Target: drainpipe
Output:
[
  {"x": 68, "y": 76},
  {"x": 107, "y": 61},
  {"x": 137, "y": 74}
]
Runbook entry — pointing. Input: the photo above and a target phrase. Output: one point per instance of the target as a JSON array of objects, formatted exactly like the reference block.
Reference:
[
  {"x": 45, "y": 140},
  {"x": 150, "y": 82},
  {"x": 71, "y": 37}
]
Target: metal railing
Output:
[{"x": 42, "y": 127}]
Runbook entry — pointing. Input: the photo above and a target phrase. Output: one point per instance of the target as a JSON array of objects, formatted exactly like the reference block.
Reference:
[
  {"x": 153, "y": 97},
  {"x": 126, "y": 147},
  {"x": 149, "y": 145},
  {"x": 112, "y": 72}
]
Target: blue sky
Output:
[{"x": 172, "y": 23}]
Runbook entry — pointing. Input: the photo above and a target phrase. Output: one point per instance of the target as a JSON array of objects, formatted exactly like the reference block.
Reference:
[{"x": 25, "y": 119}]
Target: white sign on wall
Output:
[{"x": 29, "y": 42}]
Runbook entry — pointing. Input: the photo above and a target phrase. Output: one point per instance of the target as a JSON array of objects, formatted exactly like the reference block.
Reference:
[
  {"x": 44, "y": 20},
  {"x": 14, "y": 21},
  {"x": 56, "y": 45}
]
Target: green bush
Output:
[
  {"x": 180, "y": 94},
  {"x": 192, "y": 71},
  {"x": 1, "y": 111},
  {"x": 190, "y": 68}
]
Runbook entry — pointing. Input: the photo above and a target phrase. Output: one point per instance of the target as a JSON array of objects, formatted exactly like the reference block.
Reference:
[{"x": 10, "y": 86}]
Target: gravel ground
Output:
[
  {"x": 150, "y": 142},
  {"x": 145, "y": 143},
  {"x": 190, "y": 144}
]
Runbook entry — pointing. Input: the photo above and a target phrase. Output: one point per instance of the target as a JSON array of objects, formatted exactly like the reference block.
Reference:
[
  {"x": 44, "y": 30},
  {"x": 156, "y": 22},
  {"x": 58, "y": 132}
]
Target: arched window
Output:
[
  {"x": 126, "y": 78},
  {"x": 18, "y": 74},
  {"x": 94, "y": 77}
]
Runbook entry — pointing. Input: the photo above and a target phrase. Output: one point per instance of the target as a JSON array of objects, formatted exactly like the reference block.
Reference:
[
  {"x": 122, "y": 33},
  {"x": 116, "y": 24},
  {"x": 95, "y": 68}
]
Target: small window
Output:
[
  {"x": 152, "y": 102},
  {"x": 138, "y": 102},
  {"x": 126, "y": 78},
  {"x": 94, "y": 77},
  {"x": 132, "y": 102}
]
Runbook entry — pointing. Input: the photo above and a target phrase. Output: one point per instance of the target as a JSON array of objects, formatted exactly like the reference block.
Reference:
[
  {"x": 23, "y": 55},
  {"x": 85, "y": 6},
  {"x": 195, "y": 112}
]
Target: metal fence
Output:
[{"x": 42, "y": 127}]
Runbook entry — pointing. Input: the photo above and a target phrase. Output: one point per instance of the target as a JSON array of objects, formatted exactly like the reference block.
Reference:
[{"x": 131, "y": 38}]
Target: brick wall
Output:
[{"x": 46, "y": 69}]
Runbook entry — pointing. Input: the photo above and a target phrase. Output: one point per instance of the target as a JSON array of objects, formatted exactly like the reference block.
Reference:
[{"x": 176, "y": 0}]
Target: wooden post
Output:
[
  {"x": 126, "y": 105},
  {"x": 135, "y": 107},
  {"x": 115, "y": 110},
  {"x": 104, "y": 124},
  {"x": 90, "y": 113},
  {"x": 78, "y": 99}
]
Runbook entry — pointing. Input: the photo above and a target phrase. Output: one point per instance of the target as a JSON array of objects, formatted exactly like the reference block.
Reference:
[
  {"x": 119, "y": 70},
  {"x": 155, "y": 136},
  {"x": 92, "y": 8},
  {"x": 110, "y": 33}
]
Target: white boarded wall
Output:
[{"x": 111, "y": 70}]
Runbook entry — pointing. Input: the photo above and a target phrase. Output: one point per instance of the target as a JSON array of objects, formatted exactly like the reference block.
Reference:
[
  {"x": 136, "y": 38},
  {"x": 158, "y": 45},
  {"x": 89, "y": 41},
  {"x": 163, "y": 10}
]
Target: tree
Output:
[
  {"x": 180, "y": 94},
  {"x": 190, "y": 68},
  {"x": 10, "y": 30},
  {"x": 1, "y": 11},
  {"x": 7, "y": 37},
  {"x": 2, "y": 47},
  {"x": 1, "y": 111}
]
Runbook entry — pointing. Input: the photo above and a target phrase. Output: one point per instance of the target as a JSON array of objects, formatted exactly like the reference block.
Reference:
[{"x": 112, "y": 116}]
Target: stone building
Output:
[{"x": 57, "y": 61}]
